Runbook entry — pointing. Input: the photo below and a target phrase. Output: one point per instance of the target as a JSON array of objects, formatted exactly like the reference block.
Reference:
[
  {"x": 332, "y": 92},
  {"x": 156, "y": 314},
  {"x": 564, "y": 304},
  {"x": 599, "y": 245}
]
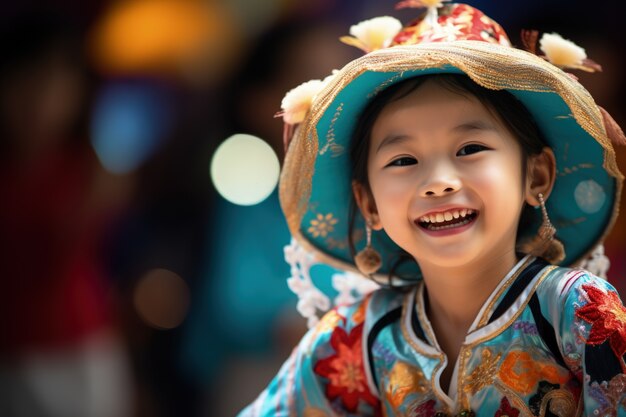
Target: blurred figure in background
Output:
[{"x": 60, "y": 354}]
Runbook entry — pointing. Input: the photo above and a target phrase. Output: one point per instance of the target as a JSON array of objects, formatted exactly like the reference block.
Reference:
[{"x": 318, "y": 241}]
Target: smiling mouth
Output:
[{"x": 435, "y": 224}]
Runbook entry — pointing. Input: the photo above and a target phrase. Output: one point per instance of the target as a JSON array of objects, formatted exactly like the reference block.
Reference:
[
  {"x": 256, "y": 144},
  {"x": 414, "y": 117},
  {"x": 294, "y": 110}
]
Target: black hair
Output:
[{"x": 501, "y": 103}]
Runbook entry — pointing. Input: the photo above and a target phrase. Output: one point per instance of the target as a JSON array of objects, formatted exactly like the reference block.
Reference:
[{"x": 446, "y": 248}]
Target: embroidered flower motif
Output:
[
  {"x": 404, "y": 380},
  {"x": 484, "y": 374},
  {"x": 521, "y": 372},
  {"x": 322, "y": 225},
  {"x": 607, "y": 316},
  {"x": 297, "y": 101},
  {"x": 610, "y": 396},
  {"x": 506, "y": 409},
  {"x": 373, "y": 34},
  {"x": 345, "y": 369},
  {"x": 526, "y": 327}
]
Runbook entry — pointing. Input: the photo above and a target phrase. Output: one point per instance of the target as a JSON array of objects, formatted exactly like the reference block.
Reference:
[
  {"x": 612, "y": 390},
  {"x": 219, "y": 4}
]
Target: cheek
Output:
[
  {"x": 501, "y": 187},
  {"x": 391, "y": 193},
  {"x": 504, "y": 175}
]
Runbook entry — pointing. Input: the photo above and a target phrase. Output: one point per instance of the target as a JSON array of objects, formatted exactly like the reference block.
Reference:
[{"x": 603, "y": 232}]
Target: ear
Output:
[
  {"x": 540, "y": 176},
  {"x": 367, "y": 205}
]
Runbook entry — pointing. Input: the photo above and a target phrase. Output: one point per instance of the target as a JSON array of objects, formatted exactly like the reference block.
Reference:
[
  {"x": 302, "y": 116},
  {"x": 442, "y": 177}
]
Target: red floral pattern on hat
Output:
[
  {"x": 607, "y": 316},
  {"x": 456, "y": 22},
  {"x": 345, "y": 369}
]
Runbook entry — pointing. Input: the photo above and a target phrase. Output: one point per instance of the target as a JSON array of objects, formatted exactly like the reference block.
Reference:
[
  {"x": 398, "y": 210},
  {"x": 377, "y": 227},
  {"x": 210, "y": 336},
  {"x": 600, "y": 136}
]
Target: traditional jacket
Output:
[{"x": 549, "y": 341}]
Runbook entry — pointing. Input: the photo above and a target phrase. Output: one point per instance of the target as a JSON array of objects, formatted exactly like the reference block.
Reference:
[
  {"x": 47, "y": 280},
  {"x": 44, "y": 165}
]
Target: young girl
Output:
[{"x": 471, "y": 176}]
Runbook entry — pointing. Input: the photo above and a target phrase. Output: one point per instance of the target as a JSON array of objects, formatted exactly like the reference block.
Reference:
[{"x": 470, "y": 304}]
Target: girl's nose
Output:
[
  {"x": 441, "y": 181},
  {"x": 431, "y": 193}
]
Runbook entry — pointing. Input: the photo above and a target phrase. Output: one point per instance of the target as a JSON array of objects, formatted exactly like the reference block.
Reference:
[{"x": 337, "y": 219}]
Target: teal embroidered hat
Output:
[{"x": 321, "y": 115}]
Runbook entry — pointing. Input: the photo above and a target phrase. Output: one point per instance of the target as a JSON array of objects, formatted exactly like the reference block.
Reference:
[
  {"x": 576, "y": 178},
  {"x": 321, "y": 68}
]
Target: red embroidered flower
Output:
[
  {"x": 345, "y": 369},
  {"x": 506, "y": 409},
  {"x": 608, "y": 318}
]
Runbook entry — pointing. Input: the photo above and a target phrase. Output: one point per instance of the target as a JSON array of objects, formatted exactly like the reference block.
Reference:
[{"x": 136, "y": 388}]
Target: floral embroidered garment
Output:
[{"x": 549, "y": 341}]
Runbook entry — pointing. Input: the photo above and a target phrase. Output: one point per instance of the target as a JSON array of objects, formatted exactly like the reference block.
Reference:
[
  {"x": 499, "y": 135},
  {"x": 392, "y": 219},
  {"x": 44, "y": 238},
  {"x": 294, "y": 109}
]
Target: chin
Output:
[{"x": 451, "y": 259}]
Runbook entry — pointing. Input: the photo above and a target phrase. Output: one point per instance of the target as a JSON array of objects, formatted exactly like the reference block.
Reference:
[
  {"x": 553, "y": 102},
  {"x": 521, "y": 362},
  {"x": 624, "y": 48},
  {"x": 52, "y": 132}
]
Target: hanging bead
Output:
[
  {"x": 466, "y": 413},
  {"x": 440, "y": 414}
]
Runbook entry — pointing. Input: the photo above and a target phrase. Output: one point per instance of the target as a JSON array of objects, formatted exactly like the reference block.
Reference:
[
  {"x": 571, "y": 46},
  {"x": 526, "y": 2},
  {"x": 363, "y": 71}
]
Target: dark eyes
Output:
[
  {"x": 471, "y": 149},
  {"x": 404, "y": 161},
  {"x": 464, "y": 151}
]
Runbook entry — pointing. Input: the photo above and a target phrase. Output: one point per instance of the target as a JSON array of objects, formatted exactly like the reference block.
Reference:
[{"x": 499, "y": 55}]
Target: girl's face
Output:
[{"x": 446, "y": 178}]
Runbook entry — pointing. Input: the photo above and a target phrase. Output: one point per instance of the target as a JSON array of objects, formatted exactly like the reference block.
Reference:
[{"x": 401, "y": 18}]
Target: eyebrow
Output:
[
  {"x": 473, "y": 125},
  {"x": 391, "y": 139}
]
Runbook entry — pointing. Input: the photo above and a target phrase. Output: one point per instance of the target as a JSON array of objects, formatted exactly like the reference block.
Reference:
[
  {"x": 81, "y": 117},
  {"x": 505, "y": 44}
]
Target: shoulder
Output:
[
  {"x": 570, "y": 298},
  {"x": 572, "y": 285}
]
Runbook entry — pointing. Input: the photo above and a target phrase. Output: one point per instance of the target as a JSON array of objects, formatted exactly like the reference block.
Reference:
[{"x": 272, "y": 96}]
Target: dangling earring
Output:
[
  {"x": 368, "y": 260},
  {"x": 545, "y": 244},
  {"x": 547, "y": 230}
]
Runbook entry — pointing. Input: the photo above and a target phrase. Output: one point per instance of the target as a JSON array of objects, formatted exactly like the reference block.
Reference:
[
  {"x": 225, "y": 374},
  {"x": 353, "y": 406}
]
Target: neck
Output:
[{"x": 456, "y": 294}]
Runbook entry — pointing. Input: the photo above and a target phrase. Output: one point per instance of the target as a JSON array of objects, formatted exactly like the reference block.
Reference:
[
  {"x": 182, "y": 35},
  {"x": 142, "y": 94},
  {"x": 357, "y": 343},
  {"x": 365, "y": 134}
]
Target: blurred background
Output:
[{"x": 138, "y": 278}]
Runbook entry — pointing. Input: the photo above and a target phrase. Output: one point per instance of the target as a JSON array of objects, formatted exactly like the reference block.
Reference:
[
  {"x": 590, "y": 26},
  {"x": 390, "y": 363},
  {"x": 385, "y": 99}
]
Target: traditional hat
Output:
[{"x": 320, "y": 116}]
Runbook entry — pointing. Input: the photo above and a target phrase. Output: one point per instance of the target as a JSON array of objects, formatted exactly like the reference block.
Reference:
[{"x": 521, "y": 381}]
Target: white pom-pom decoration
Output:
[
  {"x": 297, "y": 102},
  {"x": 562, "y": 52},
  {"x": 373, "y": 34}
]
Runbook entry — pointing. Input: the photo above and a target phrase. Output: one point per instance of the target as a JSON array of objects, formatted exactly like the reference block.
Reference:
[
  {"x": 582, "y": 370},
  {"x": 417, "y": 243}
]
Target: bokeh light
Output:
[
  {"x": 245, "y": 169},
  {"x": 161, "y": 299},
  {"x": 130, "y": 121},
  {"x": 165, "y": 37}
]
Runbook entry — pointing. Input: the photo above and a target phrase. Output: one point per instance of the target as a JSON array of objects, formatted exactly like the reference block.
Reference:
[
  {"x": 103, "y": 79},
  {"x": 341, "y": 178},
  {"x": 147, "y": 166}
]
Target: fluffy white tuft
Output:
[
  {"x": 297, "y": 101},
  {"x": 376, "y": 33},
  {"x": 561, "y": 52}
]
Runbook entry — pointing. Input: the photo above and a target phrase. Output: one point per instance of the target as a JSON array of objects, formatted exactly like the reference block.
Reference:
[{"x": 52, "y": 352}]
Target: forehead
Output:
[{"x": 432, "y": 104}]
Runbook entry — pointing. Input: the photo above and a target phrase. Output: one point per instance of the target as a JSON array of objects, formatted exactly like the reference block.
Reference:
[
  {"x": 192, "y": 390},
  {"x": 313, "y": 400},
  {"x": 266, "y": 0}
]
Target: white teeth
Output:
[{"x": 446, "y": 216}]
